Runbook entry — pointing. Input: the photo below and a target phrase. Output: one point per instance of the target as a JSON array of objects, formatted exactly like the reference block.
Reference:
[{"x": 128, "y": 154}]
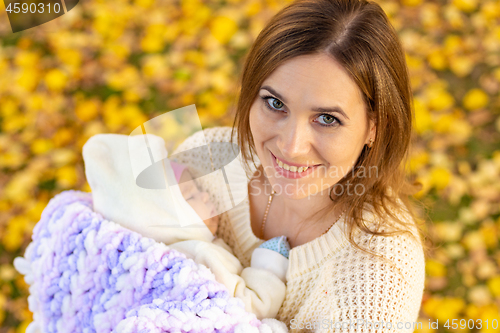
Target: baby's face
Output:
[{"x": 199, "y": 201}]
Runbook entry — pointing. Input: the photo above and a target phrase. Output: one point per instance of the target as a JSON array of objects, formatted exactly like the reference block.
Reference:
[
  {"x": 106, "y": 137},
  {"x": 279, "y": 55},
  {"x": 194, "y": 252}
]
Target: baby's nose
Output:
[{"x": 205, "y": 196}]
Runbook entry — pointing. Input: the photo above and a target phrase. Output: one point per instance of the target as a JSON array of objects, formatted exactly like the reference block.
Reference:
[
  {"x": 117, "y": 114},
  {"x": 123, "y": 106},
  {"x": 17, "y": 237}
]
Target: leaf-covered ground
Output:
[{"x": 109, "y": 66}]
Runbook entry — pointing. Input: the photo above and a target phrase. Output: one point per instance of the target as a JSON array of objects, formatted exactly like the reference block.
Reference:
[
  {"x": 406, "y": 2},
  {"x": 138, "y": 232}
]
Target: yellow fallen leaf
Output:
[
  {"x": 440, "y": 99},
  {"x": 223, "y": 28},
  {"x": 461, "y": 65},
  {"x": 66, "y": 176},
  {"x": 423, "y": 119},
  {"x": 70, "y": 57},
  {"x": 437, "y": 60},
  {"x": 434, "y": 268},
  {"x": 440, "y": 177},
  {"x": 62, "y": 137},
  {"x": 41, "y": 146},
  {"x": 13, "y": 236},
  {"x": 494, "y": 285},
  {"x": 466, "y": 6},
  {"x": 475, "y": 99},
  {"x": 412, "y": 3},
  {"x": 56, "y": 80},
  {"x": 29, "y": 59},
  {"x": 28, "y": 79},
  {"x": 87, "y": 110},
  {"x": 152, "y": 44}
]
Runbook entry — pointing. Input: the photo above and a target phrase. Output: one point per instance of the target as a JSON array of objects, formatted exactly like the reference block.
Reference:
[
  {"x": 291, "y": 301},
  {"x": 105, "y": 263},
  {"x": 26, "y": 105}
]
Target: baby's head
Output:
[{"x": 198, "y": 200}]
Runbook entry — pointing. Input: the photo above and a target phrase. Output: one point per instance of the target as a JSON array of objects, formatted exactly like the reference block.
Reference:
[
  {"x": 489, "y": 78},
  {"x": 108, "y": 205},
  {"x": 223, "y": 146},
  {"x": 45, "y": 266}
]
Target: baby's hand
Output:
[
  {"x": 278, "y": 244},
  {"x": 272, "y": 256}
]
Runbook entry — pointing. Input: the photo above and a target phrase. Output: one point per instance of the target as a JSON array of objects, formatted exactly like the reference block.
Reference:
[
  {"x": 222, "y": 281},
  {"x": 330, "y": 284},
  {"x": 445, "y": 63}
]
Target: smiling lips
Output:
[{"x": 291, "y": 168}]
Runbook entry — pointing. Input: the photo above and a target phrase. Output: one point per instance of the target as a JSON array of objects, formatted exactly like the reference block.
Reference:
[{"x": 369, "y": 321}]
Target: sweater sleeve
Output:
[{"x": 261, "y": 291}]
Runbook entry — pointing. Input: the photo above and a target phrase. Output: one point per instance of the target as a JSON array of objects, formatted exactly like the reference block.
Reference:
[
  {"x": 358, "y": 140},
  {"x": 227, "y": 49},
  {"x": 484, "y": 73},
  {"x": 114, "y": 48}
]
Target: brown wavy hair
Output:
[{"x": 359, "y": 36}]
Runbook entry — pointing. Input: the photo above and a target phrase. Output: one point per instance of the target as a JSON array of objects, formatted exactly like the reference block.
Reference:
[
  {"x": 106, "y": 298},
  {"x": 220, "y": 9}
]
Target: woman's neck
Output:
[{"x": 296, "y": 218}]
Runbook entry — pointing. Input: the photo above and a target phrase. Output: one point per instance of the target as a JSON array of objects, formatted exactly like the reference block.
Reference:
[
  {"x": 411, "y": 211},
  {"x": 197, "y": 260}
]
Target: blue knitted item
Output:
[
  {"x": 278, "y": 244},
  {"x": 92, "y": 275}
]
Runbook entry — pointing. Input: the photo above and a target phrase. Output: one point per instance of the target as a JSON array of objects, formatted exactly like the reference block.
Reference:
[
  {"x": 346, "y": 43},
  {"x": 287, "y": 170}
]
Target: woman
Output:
[{"x": 324, "y": 122}]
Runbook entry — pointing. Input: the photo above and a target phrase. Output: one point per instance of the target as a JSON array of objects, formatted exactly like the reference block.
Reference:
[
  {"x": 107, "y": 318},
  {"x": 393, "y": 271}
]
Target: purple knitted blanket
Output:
[{"x": 93, "y": 275}]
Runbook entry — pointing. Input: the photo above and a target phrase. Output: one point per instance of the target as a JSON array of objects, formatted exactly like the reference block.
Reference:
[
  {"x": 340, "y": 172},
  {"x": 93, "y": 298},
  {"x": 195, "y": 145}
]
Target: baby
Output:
[
  {"x": 199, "y": 201},
  {"x": 152, "y": 213}
]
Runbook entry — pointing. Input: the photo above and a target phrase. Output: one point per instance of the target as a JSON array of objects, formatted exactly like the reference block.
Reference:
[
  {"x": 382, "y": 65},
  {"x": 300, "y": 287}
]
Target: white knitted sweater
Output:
[{"x": 330, "y": 284}]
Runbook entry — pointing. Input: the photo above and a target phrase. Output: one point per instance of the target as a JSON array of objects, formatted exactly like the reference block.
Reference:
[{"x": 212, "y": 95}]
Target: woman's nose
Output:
[{"x": 294, "y": 139}]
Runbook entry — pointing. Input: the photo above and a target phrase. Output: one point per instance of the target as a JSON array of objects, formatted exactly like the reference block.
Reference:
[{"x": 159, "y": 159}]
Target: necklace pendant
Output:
[{"x": 265, "y": 214}]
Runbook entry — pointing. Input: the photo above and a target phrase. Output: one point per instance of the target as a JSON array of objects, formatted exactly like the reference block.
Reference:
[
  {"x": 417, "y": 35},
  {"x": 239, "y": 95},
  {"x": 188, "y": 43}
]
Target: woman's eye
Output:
[
  {"x": 328, "y": 120},
  {"x": 276, "y": 104}
]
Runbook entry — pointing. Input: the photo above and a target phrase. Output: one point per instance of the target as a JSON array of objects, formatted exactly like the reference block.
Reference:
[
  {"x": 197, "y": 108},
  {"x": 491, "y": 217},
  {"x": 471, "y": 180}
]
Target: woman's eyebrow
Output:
[
  {"x": 274, "y": 92},
  {"x": 336, "y": 109}
]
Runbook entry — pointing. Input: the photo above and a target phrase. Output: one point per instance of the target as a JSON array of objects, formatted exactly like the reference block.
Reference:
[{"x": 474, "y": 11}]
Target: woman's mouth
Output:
[{"x": 289, "y": 170}]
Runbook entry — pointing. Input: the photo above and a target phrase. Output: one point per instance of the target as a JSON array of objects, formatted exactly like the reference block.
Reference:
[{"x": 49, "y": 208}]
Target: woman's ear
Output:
[{"x": 372, "y": 132}]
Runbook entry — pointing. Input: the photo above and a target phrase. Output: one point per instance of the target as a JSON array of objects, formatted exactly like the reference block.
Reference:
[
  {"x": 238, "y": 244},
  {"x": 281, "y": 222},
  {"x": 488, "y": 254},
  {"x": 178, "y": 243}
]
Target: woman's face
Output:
[{"x": 309, "y": 124}]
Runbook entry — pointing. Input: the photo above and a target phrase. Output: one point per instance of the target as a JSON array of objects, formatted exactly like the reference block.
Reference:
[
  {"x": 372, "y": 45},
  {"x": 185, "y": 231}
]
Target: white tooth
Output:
[
  {"x": 300, "y": 169},
  {"x": 306, "y": 168},
  {"x": 286, "y": 166},
  {"x": 280, "y": 164},
  {"x": 293, "y": 168}
]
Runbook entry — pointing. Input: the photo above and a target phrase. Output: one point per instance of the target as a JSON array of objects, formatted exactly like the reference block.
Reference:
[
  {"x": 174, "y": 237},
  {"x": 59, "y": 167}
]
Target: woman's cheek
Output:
[{"x": 256, "y": 123}]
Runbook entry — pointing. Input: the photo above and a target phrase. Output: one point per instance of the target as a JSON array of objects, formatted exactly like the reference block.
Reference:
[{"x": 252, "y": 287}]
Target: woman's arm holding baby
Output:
[{"x": 261, "y": 290}]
